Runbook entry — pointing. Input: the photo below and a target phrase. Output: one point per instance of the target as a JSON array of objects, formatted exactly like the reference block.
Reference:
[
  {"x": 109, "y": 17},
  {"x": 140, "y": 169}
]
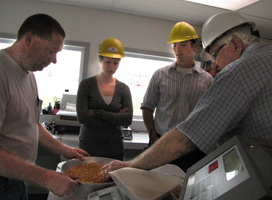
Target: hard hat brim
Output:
[
  {"x": 110, "y": 55},
  {"x": 205, "y": 56}
]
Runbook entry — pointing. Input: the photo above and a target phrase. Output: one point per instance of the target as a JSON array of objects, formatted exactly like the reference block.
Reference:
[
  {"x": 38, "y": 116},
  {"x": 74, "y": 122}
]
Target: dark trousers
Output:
[
  {"x": 12, "y": 189},
  {"x": 186, "y": 161}
]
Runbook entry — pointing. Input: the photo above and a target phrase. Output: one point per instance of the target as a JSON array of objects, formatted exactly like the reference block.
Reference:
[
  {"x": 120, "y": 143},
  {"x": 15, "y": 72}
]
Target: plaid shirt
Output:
[
  {"x": 174, "y": 96},
  {"x": 238, "y": 103}
]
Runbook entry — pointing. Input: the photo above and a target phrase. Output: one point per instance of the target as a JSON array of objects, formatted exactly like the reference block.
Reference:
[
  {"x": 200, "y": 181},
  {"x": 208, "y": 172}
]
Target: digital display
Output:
[
  {"x": 233, "y": 165},
  {"x": 106, "y": 197},
  {"x": 213, "y": 166}
]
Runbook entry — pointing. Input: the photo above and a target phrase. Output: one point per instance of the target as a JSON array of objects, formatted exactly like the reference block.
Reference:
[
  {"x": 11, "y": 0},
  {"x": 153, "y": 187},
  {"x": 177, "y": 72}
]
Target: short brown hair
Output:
[{"x": 41, "y": 25}]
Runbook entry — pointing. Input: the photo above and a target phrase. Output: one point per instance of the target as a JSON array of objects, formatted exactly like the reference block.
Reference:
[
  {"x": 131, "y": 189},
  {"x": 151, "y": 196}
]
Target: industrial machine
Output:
[{"x": 239, "y": 169}]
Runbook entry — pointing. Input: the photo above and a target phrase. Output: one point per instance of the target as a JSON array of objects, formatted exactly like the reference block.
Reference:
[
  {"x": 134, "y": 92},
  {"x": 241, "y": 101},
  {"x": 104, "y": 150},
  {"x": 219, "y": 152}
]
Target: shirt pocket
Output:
[{"x": 38, "y": 108}]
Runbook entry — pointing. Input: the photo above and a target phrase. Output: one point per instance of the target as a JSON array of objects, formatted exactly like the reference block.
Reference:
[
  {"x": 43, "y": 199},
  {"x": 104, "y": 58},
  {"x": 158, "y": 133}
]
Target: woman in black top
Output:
[{"x": 104, "y": 105}]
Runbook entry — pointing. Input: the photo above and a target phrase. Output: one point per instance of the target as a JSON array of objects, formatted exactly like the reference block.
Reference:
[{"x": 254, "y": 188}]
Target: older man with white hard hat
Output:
[{"x": 238, "y": 103}]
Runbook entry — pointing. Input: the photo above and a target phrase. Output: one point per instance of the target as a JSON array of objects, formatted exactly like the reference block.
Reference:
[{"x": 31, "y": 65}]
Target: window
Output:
[
  {"x": 63, "y": 77},
  {"x": 6, "y": 42},
  {"x": 60, "y": 78},
  {"x": 136, "y": 70}
]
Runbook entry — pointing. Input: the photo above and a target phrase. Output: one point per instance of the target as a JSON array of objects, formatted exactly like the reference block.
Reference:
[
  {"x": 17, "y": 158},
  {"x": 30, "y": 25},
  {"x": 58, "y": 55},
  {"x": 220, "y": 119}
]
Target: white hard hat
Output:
[
  {"x": 218, "y": 24},
  {"x": 205, "y": 56}
]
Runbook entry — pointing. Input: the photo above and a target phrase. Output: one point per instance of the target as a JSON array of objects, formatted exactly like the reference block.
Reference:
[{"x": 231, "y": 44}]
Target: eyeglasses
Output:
[
  {"x": 214, "y": 54},
  {"x": 183, "y": 44}
]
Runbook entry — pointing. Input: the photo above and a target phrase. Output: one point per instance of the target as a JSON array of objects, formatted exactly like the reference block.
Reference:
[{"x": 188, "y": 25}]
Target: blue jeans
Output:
[{"x": 12, "y": 189}]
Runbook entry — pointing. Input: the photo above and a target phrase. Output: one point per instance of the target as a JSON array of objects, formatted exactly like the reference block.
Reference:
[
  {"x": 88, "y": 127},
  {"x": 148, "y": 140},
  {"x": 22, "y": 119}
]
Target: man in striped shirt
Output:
[{"x": 174, "y": 90}]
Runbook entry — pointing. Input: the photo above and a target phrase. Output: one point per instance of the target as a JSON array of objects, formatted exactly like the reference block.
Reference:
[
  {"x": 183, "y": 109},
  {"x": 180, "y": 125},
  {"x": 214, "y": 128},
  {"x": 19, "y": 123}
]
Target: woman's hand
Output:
[
  {"x": 124, "y": 110},
  {"x": 91, "y": 112}
]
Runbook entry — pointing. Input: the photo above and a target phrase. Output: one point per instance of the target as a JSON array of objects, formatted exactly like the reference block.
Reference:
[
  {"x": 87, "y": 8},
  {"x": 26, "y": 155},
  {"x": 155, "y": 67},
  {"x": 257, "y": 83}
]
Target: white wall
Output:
[{"x": 92, "y": 26}]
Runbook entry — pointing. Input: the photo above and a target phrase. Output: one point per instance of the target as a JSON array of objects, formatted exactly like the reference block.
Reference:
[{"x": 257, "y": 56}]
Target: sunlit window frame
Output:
[
  {"x": 129, "y": 52},
  {"x": 147, "y": 54},
  {"x": 69, "y": 45},
  {"x": 85, "y": 49}
]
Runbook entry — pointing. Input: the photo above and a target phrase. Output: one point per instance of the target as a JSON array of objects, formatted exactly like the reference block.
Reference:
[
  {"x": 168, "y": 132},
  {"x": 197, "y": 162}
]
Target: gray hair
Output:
[{"x": 244, "y": 32}]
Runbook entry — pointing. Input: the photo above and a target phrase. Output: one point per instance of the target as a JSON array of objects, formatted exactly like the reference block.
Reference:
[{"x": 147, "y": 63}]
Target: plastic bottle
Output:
[
  {"x": 49, "y": 109},
  {"x": 53, "y": 128}
]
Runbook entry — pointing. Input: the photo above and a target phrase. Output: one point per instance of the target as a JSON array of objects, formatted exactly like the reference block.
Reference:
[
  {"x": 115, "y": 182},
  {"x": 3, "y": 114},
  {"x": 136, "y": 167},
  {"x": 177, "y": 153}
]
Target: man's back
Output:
[{"x": 240, "y": 102}]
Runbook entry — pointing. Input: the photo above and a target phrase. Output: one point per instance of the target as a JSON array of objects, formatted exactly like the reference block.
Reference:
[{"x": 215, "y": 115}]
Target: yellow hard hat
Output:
[
  {"x": 112, "y": 47},
  {"x": 182, "y": 31}
]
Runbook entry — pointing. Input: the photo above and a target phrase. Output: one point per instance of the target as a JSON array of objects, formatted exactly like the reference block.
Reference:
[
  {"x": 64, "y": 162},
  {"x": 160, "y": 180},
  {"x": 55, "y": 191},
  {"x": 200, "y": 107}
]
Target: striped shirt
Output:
[
  {"x": 238, "y": 103},
  {"x": 174, "y": 96}
]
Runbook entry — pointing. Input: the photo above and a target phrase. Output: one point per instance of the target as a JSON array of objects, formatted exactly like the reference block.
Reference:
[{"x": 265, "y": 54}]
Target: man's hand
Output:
[
  {"x": 60, "y": 184},
  {"x": 49, "y": 142},
  {"x": 153, "y": 136},
  {"x": 114, "y": 165},
  {"x": 75, "y": 153}
]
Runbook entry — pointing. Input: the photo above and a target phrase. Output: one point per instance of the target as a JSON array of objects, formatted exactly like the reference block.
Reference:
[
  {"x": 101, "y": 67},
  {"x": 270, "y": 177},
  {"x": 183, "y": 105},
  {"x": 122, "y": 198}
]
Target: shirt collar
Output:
[
  {"x": 194, "y": 69},
  {"x": 252, "y": 47}
]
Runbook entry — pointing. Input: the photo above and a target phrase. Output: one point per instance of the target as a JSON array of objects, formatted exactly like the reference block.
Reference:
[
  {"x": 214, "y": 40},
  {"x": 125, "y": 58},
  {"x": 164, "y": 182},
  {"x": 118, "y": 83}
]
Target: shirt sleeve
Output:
[
  {"x": 83, "y": 114},
  {"x": 3, "y": 102},
  {"x": 152, "y": 93},
  {"x": 119, "y": 119}
]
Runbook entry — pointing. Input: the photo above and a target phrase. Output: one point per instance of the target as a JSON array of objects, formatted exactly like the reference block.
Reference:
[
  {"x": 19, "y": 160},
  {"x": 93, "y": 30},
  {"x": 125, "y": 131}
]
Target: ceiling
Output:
[{"x": 180, "y": 10}]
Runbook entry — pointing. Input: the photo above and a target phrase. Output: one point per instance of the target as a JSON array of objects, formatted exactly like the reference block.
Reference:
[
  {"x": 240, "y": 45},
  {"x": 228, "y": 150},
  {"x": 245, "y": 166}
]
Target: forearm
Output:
[
  {"x": 171, "y": 146},
  {"x": 120, "y": 118},
  {"x": 150, "y": 126},
  {"x": 117, "y": 119},
  {"x": 49, "y": 142},
  {"x": 98, "y": 117},
  {"x": 86, "y": 116},
  {"x": 15, "y": 168},
  {"x": 148, "y": 119}
]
